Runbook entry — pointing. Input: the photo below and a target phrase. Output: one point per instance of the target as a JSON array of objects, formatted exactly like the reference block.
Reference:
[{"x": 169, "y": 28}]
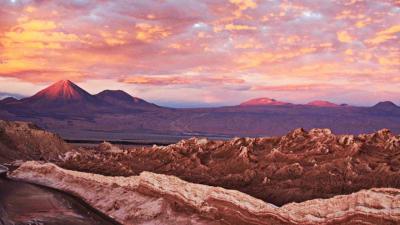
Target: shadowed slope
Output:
[
  {"x": 21, "y": 140},
  {"x": 122, "y": 99}
]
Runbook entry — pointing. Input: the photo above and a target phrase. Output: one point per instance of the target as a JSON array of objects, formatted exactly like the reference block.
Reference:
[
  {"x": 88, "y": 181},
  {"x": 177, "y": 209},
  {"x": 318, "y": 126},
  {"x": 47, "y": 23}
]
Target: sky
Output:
[{"x": 189, "y": 53}]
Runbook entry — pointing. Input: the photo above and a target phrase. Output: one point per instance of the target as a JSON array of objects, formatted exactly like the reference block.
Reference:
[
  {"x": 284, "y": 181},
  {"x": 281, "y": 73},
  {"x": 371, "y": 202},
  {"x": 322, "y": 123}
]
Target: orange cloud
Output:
[
  {"x": 238, "y": 27},
  {"x": 384, "y": 35},
  {"x": 249, "y": 44},
  {"x": 35, "y": 34},
  {"x": 156, "y": 80},
  {"x": 255, "y": 59},
  {"x": 295, "y": 87},
  {"x": 30, "y": 9},
  {"x": 243, "y": 5},
  {"x": 146, "y": 32},
  {"x": 113, "y": 39},
  {"x": 344, "y": 36},
  {"x": 179, "y": 80}
]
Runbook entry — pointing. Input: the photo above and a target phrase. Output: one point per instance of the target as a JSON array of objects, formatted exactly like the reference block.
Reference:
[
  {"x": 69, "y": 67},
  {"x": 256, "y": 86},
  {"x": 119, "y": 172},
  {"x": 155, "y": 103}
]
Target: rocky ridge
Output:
[
  {"x": 160, "y": 199},
  {"x": 299, "y": 166},
  {"x": 24, "y": 141}
]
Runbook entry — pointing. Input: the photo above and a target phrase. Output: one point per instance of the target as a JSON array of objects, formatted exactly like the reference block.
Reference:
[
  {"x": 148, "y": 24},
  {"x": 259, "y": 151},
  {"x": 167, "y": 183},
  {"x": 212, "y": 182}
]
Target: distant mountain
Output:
[
  {"x": 320, "y": 103},
  {"x": 262, "y": 102},
  {"x": 66, "y": 98},
  {"x": 385, "y": 108},
  {"x": 122, "y": 99},
  {"x": 69, "y": 110},
  {"x": 8, "y": 100},
  {"x": 61, "y": 94},
  {"x": 63, "y": 90},
  {"x": 387, "y": 105}
]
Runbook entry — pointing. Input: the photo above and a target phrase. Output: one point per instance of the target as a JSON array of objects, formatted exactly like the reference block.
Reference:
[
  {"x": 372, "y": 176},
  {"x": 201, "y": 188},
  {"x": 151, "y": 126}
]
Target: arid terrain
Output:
[
  {"x": 296, "y": 167},
  {"x": 199, "y": 112},
  {"x": 335, "y": 179}
]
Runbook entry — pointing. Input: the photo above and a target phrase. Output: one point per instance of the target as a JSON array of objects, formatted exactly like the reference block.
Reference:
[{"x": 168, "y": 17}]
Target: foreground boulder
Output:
[
  {"x": 159, "y": 199},
  {"x": 24, "y": 140}
]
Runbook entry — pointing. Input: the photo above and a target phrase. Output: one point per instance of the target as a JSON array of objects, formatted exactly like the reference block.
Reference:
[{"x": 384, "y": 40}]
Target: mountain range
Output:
[{"x": 74, "y": 113}]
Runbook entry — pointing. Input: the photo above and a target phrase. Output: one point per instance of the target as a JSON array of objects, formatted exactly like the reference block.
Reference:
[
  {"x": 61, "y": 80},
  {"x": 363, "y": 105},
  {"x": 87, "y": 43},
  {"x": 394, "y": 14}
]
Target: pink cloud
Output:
[{"x": 234, "y": 43}]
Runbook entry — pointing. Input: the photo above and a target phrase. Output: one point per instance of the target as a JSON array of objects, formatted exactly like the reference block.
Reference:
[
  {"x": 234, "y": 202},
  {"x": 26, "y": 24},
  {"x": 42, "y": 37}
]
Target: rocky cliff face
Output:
[
  {"x": 296, "y": 167},
  {"x": 159, "y": 199},
  {"x": 22, "y": 140}
]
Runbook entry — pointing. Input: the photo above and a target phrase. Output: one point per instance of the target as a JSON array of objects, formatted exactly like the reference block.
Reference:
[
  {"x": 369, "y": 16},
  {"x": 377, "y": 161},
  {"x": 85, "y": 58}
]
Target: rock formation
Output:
[
  {"x": 293, "y": 168},
  {"x": 22, "y": 140},
  {"x": 159, "y": 199}
]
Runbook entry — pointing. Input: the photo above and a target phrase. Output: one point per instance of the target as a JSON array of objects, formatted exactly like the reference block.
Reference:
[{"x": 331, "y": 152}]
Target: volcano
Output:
[
  {"x": 63, "y": 97},
  {"x": 72, "y": 112},
  {"x": 64, "y": 91},
  {"x": 68, "y": 99},
  {"x": 122, "y": 99}
]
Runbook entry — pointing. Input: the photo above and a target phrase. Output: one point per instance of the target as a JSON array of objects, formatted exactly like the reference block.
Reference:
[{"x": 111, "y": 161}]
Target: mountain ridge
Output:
[
  {"x": 114, "y": 114},
  {"x": 68, "y": 91}
]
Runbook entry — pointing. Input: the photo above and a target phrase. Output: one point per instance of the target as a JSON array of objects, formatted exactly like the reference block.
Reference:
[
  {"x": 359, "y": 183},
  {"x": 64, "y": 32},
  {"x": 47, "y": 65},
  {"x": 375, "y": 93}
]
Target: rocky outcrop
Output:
[
  {"x": 3, "y": 170},
  {"x": 23, "y": 140},
  {"x": 159, "y": 199},
  {"x": 299, "y": 166},
  {"x": 108, "y": 147}
]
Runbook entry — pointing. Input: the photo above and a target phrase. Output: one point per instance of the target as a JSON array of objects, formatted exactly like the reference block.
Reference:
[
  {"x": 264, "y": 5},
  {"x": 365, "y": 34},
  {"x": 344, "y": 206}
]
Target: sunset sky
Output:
[{"x": 205, "y": 52}]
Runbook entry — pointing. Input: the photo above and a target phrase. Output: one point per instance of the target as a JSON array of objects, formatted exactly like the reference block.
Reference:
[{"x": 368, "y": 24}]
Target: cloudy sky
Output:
[{"x": 205, "y": 52}]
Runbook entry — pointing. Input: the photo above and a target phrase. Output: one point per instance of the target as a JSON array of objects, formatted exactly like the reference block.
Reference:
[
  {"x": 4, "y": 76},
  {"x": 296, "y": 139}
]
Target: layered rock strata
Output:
[{"x": 160, "y": 199}]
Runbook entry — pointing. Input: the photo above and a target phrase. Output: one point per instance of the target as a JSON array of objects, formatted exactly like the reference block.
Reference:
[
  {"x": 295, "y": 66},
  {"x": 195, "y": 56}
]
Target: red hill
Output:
[
  {"x": 320, "y": 103},
  {"x": 263, "y": 102}
]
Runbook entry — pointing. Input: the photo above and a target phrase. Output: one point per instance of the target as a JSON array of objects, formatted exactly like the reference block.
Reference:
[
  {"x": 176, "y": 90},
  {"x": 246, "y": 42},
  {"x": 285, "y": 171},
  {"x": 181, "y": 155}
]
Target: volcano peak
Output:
[{"x": 63, "y": 90}]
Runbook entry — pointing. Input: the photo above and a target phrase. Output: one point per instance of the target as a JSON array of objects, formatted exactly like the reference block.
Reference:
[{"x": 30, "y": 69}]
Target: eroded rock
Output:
[
  {"x": 299, "y": 166},
  {"x": 160, "y": 199},
  {"x": 24, "y": 140}
]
